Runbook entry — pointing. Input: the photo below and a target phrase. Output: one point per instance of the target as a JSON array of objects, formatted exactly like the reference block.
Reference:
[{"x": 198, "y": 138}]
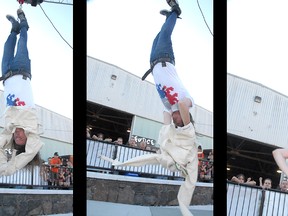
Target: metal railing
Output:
[
  {"x": 95, "y": 148},
  {"x": 121, "y": 153},
  {"x": 31, "y": 177},
  {"x": 254, "y": 201}
]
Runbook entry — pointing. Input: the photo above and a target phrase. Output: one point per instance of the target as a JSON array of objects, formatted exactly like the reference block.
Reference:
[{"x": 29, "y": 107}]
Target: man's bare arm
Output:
[
  {"x": 184, "y": 106},
  {"x": 167, "y": 118}
]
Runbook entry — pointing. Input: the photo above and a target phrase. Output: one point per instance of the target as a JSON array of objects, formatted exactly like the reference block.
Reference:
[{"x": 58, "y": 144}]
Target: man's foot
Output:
[
  {"x": 172, "y": 3},
  {"x": 21, "y": 15},
  {"x": 177, "y": 9},
  {"x": 167, "y": 13},
  {"x": 22, "y": 18},
  {"x": 15, "y": 24}
]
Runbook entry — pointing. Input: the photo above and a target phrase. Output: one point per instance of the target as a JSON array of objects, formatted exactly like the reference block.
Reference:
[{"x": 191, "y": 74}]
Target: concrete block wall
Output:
[
  {"x": 143, "y": 193},
  {"x": 23, "y": 203}
]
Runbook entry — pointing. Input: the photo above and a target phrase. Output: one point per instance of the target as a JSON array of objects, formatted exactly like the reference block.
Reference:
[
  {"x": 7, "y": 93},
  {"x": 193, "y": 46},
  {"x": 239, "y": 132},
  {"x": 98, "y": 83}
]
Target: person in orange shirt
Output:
[
  {"x": 55, "y": 163},
  {"x": 200, "y": 155}
]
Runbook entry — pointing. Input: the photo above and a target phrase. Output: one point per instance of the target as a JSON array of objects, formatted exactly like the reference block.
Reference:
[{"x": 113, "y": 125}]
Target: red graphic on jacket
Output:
[{"x": 10, "y": 101}]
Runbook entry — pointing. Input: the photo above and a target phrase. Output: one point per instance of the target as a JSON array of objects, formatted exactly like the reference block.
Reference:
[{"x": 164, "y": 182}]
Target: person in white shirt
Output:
[
  {"x": 178, "y": 149},
  {"x": 19, "y": 141}
]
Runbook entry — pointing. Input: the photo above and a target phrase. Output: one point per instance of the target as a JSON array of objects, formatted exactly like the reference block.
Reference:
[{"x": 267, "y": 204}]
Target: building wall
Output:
[
  {"x": 114, "y": 87},
  {"x": 266, "y": 121},
  {"x": 56, "y": 130},
  {"x": 128, "y": 92}
]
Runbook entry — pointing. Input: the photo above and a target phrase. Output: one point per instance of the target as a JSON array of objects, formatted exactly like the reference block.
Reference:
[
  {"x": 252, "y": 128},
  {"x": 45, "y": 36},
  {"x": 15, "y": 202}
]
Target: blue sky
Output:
[
  {"x": 122, "y": 32},
  {"x": 51, "y": 57},
  {"x": 257, "y": 41}
]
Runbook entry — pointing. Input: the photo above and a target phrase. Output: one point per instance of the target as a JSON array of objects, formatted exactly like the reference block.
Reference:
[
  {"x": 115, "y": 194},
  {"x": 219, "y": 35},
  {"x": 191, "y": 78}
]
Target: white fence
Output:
[{"x": 254, "y": 201}]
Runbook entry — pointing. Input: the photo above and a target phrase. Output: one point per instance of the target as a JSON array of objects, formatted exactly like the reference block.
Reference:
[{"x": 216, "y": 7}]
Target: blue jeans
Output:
[
  {"x": 21, "y": 61},
  {"x": 162, "y": 44}
]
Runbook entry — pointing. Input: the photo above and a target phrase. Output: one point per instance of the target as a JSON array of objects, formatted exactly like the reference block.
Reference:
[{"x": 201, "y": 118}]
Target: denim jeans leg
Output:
[
  {"x": 8, "y": 54},
  {"x": 21, "y": 60},
  {"x": 154, "y": 45},
  {"x": 162, "y": 44}
]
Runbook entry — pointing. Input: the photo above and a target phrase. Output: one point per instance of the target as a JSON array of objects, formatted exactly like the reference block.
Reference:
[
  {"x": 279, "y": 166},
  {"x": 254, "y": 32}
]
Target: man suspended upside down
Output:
[
  {"x": 177, "y": 135},
  {"x": 19, "y": 141}
]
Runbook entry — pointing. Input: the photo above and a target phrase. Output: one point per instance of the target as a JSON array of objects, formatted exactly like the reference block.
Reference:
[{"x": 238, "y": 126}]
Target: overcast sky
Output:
[
  {"x": 122, "y": 32},
  {"x": 51, "y": 56},
  {"x": 257, "y": 41}
]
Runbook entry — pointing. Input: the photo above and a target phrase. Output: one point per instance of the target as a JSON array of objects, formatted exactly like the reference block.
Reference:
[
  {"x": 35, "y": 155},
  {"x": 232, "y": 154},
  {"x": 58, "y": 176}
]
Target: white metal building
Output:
[
  {"x": 113, "y": 87},
  {"x": 57, "y": 131},
  {"x": 256, "y": 112},
  {"x": 257, "y": 123}
]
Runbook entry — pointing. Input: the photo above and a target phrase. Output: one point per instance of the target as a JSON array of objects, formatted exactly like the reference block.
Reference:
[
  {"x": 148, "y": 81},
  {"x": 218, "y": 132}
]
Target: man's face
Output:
[
  {"x": 267, "y": 183},
  {"x": 177, "y": 120},
  {"x": 284, "y": 185},
  {"x": 20, "y": 136},
  {"x": 120, "y": 141},
  {"x": 241, "y": 179}
]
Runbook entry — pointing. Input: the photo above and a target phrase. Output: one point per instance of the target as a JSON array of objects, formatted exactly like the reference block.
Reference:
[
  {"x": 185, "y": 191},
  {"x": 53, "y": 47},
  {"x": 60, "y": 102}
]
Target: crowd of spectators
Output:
[
  {"x": 58, "y": 172},
  {"x": 205, "y": 165},
  {"x": 266, "y": 184},
  {"x": 131, "y": 142}
]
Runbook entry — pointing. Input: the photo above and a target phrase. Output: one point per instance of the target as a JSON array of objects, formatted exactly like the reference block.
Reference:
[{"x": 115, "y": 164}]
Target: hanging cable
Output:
[
  {"x": 204, "y": 18},
  {"x": 54, "y": 26}
]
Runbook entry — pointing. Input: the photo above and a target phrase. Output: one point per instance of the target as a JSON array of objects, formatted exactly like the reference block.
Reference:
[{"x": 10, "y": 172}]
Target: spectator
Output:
[
  {"x": 148, "y": 147},
  {"x": 45, "y": 174},
  {"x": 88, "y": 135},
  {"x": 284, "y": 185},
  {"x": 205, "y": 171},
  {"x": 108, "y": 139},
  {"x": 200, "y": 152},
  {"x": 71, "y": 159},
  {"x": 132, "y": 142},
  {"x": 55, "y": 163},
  {"x": 61, "y": 178},
  {"x": 142, "y": 145},
  {"x": 67, "y": 175},
  {"x": 200, "y": 155},
  {"x": 240, "y": 179},
  {"x": 202, "y": 170},
  {"x": 119, "y": 141},
  {"x": 210, "y": 156},
  {"x": 69, "y": 164},
  {"x": 98, "y": 136},
  {"x": 267, "y": 183}
]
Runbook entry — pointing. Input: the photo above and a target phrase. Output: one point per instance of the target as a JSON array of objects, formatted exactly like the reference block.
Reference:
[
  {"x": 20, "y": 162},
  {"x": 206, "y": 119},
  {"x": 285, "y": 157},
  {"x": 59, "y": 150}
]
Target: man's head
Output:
[
  {"x": 119, "y": 140},
  {"x": 19, "y": 136},
  {"x": 267, "y": 183},
  {"x": 100, "y": 136},
  {"x": 284, "y": 185},
  {"x": 241, "y": 178},
  {"x": 177, "y": 120},
  {"x": 56, "y": 154},
  {"x": 132, "y": 142}
]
